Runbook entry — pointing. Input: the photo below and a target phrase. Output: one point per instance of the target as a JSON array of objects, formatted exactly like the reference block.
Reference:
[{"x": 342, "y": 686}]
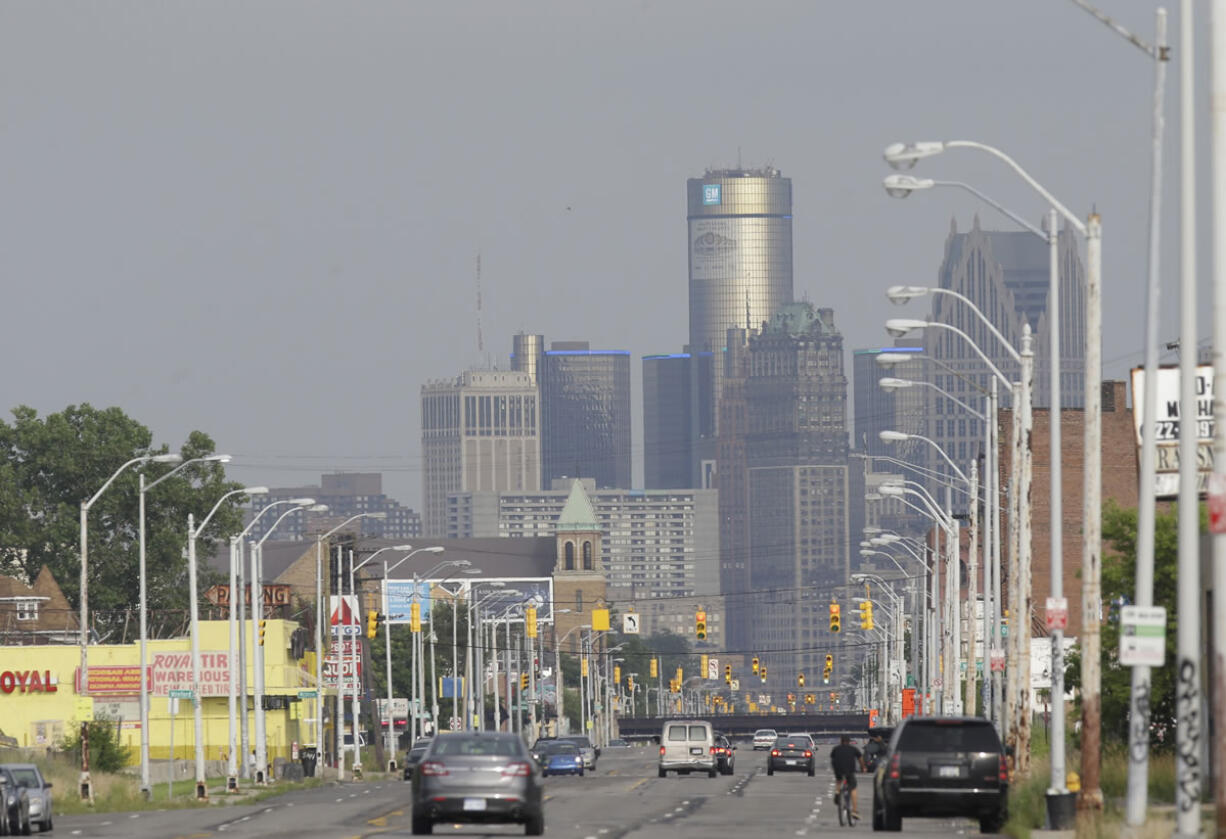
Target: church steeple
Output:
[{"x": 578, "y": 535}]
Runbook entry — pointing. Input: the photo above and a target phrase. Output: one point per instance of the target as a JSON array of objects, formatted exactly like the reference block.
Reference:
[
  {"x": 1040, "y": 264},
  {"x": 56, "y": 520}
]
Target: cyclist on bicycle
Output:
[
  {"x": 844, "y": 758},
  {"x": 873, "y": 750}
]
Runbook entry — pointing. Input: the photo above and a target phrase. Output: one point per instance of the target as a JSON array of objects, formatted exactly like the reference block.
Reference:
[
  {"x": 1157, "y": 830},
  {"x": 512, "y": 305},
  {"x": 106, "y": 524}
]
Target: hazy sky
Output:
[{"x": 261, "y": 219}]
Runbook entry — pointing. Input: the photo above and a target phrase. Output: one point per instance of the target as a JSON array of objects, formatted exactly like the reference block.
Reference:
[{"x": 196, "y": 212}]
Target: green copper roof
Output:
[{"x": 578, "y": 513}]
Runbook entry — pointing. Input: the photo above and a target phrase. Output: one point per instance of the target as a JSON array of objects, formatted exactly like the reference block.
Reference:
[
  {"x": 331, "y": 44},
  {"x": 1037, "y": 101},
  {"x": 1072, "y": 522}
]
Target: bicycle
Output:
[{"x": 842, "y": 801}]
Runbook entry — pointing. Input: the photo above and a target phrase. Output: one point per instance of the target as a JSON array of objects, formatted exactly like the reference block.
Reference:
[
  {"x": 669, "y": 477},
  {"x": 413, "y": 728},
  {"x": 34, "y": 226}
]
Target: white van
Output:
[{"x": 687, "y": 746}]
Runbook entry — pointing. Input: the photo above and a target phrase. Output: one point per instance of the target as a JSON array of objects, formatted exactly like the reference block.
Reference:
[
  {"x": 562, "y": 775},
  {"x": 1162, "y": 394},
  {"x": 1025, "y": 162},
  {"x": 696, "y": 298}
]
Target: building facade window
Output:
[
  {"x": 587, "y": 556},
  {"x": 27, "y": 610}
]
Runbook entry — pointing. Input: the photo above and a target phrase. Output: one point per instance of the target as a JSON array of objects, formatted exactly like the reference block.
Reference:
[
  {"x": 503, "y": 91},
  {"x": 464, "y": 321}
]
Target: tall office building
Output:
[
  {"x": 740, "y": 275},
  {"x": 875, "y": 408},
  {"x": 666, "y": 421},
  {"x": 783, "y": 455},
  {"x": 1006, "y": 275},
  {"x": 585, "y": 408},
  {"x": 654, "y": 543},
  {"x": 479, "y": 431},
  {"x": 346, "y": 494}
]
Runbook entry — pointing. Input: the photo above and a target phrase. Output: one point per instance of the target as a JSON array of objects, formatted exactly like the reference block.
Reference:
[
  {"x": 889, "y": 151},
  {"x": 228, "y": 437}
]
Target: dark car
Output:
[
  {"x": 792, "y": 753},
  {"x": 539, "y": 748},
  {"x": 724, "y": 757},
  {"x": 414, "y": 756},
  {"x": 561, "y": 757},
  {"x": 942, "y": 766},
  {"x": 16, "y": 804},
  {"x": 590, "y": 752},
  {"x": 477, "y": 777}
]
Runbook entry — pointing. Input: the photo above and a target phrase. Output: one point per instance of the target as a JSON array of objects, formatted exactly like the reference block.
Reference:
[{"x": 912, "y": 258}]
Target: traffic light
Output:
[
  {"x": 415, "y": 617},
  {"x": 703, "y": 666},
  {"x": 630, "y": 683},
  {"x": 728, "y": 673},
  {"x": 755, "y": 665},
  {"x": 835, "y": 626},
  {"x": 800, "y": 679},
  {"x": 530, "y": 622},
  {"x": 655, "y": 668},
  {"x": 829, "y": 661},
  {"x": 700, "y": 625},
  {"x": 617, "y": 674},
  {"x": 762, "y": 673},
  {"x": 263, "y": 628},
  {"x": 583, "y": 666},
  {"x": 866, "y": 615},
  {"x": 523, "y": 681},
  {"x": 680, "y": 675},
  {"x": 372, "y": 624}
]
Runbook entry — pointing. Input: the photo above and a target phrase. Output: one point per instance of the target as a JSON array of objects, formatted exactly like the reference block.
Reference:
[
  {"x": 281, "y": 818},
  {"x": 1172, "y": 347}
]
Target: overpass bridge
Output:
[{"x": 740, "y": 726}]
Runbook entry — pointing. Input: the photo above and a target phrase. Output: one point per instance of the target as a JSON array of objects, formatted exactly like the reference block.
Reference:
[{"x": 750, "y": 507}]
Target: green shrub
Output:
[{"x": 106, "y": 752}]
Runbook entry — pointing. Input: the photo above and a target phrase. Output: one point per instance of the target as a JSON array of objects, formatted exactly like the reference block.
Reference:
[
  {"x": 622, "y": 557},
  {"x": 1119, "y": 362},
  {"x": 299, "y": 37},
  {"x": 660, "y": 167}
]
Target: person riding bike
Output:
[
  {"x": 844, "y": 758},
  {"x": 873, "y": 750}
]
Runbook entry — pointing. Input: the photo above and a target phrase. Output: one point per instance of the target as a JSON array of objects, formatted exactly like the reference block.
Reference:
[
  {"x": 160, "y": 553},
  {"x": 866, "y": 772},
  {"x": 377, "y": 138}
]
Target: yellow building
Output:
[{"x": 39, "y": 698}]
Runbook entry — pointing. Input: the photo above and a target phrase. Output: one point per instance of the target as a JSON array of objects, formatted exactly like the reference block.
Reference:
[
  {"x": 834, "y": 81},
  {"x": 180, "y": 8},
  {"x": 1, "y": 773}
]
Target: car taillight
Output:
[
  {"x": 774, "y": 753},
  {"x": 808, "y": 753},
  {"x": 715, "y": 750},
  {"x": 432, "y": 767},
  {"x": 1004, "y": 770},
  {"x": 661, "y": 751},
  {"x": 895, "y": 771},
  {"x": 516, "y": 770}
]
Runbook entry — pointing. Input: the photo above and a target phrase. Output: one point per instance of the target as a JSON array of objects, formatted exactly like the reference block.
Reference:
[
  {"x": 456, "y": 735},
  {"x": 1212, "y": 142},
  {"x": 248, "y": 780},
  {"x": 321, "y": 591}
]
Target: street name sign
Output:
[{"x": 1143, "y": 636}]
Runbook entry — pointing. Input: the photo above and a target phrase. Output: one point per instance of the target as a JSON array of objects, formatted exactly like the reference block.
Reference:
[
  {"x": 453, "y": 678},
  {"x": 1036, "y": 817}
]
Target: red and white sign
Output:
[
  {"x": 173, "y": 671},
  {"x": 1057, "y": 613},
  {"x": 1217, "y": 503},
  {"x": 28, "y": 681},
  {"x": 344, "y": 658},
  {"x": 997, "y": 660},
  {"x": 346, "y": 617}
]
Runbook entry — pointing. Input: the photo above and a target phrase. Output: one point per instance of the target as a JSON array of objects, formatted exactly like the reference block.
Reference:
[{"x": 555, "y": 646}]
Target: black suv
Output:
[{"x": 942, "y": 766}]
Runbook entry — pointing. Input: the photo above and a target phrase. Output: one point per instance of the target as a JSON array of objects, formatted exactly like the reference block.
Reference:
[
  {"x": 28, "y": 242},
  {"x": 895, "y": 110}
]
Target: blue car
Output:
[{"x": 562, "y": 758}]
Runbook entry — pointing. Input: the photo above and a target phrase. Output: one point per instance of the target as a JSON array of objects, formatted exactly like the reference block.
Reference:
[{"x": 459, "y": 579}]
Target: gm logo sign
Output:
[{"x": 710, "y": 194}]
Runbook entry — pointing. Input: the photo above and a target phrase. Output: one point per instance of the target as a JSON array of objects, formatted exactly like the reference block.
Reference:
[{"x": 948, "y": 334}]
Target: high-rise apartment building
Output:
[
  {"x": 585, "y": 408},
  {"x": 740, "y": 275},
  {"x": 1006, "y": 275},
  {"x": 654, "y": 543},
  {"x": 479, "y": 431},
  {"x": 784, "y": 460},
  {"x": 346, "y": 494}
]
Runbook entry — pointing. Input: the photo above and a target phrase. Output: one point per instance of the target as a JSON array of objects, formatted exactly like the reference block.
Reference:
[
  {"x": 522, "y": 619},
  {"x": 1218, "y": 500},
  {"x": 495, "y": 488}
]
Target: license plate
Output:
[
  {"x": 696, "y": 751},
  {"x": 948, "y": 772},
  {"x": 474, "y": 803},
  {"x": 793, "y": 762}
]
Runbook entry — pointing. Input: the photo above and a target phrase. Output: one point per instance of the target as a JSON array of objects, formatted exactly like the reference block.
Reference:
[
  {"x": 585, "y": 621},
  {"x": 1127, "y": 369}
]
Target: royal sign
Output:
[
  {"x": 173, "y": 671},
  {"x": 28, "y": 681}
]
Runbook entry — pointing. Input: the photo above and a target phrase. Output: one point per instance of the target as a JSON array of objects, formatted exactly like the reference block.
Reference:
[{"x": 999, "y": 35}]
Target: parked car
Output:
[
  {"x": 590, "y": 752},
  {"x": 687, "y": 746},
  {"x": 562, "y": 757},
  {"x": 16, "y": 804},
  {"x": 942, "y": 766},
  {"x": 764, "y": 738},
  {"x": 724, "y": 757},
  {"x": 414, "y": 756},
  {"x": 618, "y": 743},
  {"x": 792, "y": 753},
  {"x": 478, "y": 777},
  {"x": 38, "y": 789}
]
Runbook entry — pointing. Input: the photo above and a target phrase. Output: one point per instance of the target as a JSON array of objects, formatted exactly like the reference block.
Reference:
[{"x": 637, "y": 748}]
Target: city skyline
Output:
[{"x": 234, "y": 267}]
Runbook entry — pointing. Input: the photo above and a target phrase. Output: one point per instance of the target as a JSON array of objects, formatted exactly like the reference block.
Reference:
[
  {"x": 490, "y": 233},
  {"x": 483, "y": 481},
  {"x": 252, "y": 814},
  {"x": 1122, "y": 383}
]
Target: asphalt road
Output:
[{"x": 623, "y": 798}]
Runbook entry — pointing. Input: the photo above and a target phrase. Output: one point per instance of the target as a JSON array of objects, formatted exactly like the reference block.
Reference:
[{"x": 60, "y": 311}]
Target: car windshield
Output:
[
  {"x": 564, "y": 748},
  {"x": 765, "y": 732},
  {"x": 948, "y": 737},
  {"x": 477, "y": 746},
  {"x": 581, "y": 742},
  {"x": 26, "y": 777}
]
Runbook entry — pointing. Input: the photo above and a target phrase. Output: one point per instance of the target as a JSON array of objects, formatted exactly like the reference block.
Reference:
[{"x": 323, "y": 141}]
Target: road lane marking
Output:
[
  {"x": 637, "y": 784},
  {"x": 378, "y": 821}
]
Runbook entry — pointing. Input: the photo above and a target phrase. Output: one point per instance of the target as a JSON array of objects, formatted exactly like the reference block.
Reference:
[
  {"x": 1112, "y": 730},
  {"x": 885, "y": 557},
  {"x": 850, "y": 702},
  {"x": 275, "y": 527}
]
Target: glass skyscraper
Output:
[{"x": 585, "y": 409}]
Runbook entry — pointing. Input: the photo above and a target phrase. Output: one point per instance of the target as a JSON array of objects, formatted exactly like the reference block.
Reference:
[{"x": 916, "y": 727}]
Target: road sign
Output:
[
  {"x": 179, "y": 693},
  {"x": 736, "y": 684},
  {"x": 456, "y": 723},
  {"x": 1057, "y": 613},
  {"x": 345, "y": 619},
  {"x": 1143, "y": 636},
  {"x": 308, "y": 694},
  {"x": 713, "y": 668},
  {"x": 998, "y": 661},
  {"x": 84, "y": 709},
  {"x": 630, "y": 624}
]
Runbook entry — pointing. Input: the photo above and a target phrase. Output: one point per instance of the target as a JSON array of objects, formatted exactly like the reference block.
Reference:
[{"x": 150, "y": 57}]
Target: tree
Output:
[
  {"x": 1119, "y": 581},
  {"x": 50, "y": 465}
]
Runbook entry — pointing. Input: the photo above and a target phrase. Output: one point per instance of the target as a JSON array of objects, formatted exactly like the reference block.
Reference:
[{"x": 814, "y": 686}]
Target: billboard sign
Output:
[
  {"x": 346, "y": 617},
  {"x": 343, "y": 660},
  {"x": 1167, "y": 425},
  {"x": 173, "y": 671},
  {"x": 713, "y": 248},
  {"x": 398, "y": 596},
  {"x": 712, "y": 194}
]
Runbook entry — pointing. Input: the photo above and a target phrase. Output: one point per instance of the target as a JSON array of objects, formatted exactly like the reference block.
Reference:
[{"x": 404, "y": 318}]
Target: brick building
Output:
[{"x": 1119, "y": 453}]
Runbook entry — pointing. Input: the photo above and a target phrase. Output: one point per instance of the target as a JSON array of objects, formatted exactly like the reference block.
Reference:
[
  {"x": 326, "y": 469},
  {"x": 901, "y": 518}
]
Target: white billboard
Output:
[
  {"x": 1167, "y": 425},
  {"x": 713, "y": 249}
]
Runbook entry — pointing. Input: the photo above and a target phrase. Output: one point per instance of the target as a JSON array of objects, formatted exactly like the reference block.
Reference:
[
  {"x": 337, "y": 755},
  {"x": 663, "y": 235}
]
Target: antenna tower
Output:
[{"x": 480, "y": 335}]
